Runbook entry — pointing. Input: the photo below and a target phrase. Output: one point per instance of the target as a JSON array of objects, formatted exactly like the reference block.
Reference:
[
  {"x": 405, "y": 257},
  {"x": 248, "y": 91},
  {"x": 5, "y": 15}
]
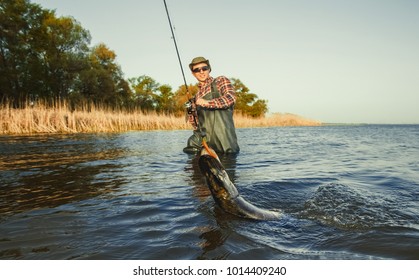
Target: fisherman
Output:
[{"x": 214, "y": 111}]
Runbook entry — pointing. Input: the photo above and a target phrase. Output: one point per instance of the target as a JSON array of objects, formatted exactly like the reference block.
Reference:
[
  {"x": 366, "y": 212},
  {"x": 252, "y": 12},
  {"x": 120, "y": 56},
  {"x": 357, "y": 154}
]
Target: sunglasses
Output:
[{"x": 197, "y": 70}]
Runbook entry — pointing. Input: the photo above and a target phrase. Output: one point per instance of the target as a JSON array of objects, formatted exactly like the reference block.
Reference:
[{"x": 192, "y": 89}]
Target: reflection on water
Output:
[
  {"x": 47, "y": 172},
  {"x": 200, "y": 189}
]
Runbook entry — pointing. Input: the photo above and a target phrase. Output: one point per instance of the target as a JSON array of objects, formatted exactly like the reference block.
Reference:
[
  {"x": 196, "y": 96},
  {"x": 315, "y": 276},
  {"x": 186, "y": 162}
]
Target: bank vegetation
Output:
[{"x": 60, "y": 118}]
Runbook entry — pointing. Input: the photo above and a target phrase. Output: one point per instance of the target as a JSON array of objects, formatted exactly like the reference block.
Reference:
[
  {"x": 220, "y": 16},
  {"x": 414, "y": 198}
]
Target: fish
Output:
[{"x": 225, "y": 193}]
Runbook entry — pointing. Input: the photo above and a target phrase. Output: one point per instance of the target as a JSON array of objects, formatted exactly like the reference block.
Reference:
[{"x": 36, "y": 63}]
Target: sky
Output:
[{"x": 334, "y": 61}]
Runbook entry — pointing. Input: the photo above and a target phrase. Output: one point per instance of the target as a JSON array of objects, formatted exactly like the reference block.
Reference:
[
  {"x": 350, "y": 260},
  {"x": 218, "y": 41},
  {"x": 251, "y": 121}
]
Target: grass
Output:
[
  {"x": 61, "y": 119},
  {"x": 276, "y": 119}
]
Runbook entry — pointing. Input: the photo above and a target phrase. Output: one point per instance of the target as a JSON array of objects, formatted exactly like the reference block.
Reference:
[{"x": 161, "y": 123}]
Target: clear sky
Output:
[{"x": 330, "y": 60}]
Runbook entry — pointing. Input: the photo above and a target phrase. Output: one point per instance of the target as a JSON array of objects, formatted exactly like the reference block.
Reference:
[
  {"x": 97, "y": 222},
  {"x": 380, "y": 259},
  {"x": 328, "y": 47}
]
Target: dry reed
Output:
[
  {"x": 276, "y": 119},
  {"x": 61, "y": 119}
]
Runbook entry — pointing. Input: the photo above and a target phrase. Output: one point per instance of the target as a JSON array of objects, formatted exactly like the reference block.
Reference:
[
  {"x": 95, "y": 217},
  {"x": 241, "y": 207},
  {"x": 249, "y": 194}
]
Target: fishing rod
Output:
[
  {"x": 190, "y": 105},
  {"x": 177, "y": 50}
]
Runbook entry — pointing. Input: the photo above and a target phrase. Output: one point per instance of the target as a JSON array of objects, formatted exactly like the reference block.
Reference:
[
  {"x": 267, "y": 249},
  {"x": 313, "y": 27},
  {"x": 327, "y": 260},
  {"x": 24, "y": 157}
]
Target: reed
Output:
[
  {"x": 276, "y": 119},
  {"x": 59, "y": 118}
]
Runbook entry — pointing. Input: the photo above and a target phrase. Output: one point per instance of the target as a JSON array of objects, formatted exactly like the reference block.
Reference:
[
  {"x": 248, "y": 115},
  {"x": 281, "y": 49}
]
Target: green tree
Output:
[
  {"x": 102, "y": 81},
  {"x": 165, "y": 100},
  {"x": 145, "y": 92},
  {"x": 248, "y": 103},
  {"x": 65, "y": 54},
  {"x": 20, "y": 27},
  {"x": 40, "y": 54}
]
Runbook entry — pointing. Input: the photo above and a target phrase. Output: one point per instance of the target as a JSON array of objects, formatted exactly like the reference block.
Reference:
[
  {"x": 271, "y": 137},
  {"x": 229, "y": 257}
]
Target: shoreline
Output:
[{"x": 61, "y": 120}]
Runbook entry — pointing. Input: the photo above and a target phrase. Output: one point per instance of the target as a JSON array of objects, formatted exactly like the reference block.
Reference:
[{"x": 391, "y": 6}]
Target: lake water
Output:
[{"x": 348, "y": 192}]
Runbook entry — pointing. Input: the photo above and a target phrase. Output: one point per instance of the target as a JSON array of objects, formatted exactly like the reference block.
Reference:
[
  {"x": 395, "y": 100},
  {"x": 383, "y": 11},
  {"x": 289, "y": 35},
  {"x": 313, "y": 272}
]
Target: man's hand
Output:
[{"x": 202, "y": 102}]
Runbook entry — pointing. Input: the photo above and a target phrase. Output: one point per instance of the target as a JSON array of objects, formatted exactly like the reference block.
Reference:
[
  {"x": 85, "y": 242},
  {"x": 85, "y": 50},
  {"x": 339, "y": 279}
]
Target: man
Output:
[{"x": 214, "y": 105}]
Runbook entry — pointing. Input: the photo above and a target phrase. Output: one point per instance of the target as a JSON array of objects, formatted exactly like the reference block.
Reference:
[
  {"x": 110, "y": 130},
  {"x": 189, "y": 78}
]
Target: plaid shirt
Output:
[{"x": 227, "y": 95}]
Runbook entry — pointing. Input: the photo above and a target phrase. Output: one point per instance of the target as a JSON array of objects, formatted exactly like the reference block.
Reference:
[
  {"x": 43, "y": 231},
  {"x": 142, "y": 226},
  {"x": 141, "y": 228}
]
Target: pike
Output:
[{"x": 225, "y": 192}]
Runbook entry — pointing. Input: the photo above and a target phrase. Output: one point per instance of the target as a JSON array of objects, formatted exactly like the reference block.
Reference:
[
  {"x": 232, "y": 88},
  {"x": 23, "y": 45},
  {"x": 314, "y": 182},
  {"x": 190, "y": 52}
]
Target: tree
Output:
[
  {"x": 145, "y": 92},
  {"x": 247, "y": 103},
  {"x": 20, "y": 26},
  {"x": 165, "y": 100},
  {"x": 102, "y": 81},
  {"x": 65, "y": 54},
  {"x": 40, "y": 54}
]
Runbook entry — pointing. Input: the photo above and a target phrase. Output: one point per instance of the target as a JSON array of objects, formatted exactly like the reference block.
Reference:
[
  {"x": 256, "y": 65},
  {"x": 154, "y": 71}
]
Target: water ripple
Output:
[{"x": 347, "y": 192}]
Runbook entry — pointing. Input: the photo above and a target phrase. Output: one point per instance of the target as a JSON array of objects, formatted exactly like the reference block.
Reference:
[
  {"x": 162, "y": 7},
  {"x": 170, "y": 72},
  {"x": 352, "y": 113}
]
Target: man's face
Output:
[{"x": 201, "y": 71}]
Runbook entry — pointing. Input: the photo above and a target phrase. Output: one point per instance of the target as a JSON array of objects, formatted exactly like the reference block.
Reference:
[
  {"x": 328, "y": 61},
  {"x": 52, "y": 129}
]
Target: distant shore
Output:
[{"x": 60, "y": 119}]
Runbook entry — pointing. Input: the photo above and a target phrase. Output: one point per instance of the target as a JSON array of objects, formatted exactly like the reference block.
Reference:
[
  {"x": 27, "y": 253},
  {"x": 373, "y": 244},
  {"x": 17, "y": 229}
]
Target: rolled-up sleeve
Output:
[{"x": 228, "y": 95}]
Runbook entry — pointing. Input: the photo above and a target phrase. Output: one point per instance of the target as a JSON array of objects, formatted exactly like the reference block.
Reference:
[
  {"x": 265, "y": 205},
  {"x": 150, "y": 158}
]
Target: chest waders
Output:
[{"x": 218, "y": 126}]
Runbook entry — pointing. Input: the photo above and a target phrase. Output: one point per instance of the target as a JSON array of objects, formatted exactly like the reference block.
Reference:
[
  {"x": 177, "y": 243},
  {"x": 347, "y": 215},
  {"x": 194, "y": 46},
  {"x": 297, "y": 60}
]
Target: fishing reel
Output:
[{"x": 190, "y": 106}]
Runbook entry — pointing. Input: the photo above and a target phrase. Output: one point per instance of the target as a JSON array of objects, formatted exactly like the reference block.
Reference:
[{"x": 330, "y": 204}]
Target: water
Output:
[{"x": 348, "y": 192}]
